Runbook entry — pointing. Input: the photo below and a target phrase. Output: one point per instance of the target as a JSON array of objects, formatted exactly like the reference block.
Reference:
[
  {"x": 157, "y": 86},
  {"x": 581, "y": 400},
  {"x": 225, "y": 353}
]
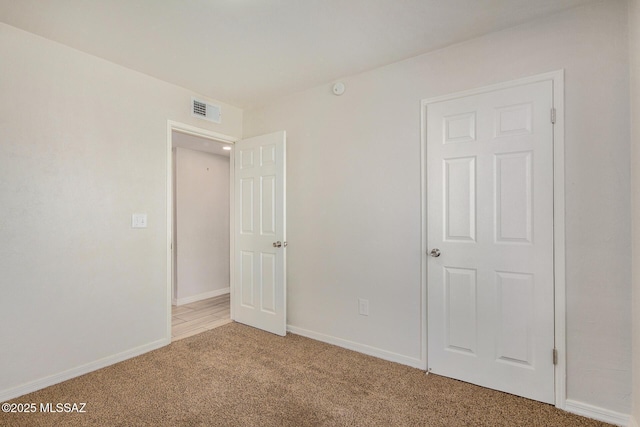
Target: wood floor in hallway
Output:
[{"x": 194, "y": 318}]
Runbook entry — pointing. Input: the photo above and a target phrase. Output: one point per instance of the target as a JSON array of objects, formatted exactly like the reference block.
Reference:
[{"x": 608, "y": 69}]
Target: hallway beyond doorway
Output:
[{"x": 196, "y": 317}]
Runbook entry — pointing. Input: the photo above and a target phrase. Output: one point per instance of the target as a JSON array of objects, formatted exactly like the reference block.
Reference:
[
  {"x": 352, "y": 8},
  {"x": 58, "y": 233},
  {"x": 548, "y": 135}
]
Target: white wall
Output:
[
  {"x": 202, "y": 204},
  {"x": 354, "y": 192},
  {"x": 634, "y": 50},
  {"x": 83, "y": 145}
]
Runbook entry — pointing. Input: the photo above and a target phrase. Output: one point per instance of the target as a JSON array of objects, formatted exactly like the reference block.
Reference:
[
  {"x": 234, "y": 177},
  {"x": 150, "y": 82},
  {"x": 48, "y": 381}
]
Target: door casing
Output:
[{"x": 557, "y": 77}]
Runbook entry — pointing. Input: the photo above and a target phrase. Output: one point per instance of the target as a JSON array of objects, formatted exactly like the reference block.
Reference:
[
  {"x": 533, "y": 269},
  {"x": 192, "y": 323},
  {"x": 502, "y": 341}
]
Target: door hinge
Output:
[
  {"x": 555, "y": 356},
  {"x": 553, "y": 115}
]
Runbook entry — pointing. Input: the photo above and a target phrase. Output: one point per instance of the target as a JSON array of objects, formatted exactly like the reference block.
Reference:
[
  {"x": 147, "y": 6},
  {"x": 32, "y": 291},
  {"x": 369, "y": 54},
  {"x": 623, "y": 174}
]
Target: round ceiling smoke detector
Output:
[{"x": 338, "y": 88}]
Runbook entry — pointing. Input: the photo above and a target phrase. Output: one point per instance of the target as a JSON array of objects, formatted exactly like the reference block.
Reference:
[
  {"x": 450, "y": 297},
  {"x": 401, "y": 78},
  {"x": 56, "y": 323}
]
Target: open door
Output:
[{"x": 259, "y": 288}]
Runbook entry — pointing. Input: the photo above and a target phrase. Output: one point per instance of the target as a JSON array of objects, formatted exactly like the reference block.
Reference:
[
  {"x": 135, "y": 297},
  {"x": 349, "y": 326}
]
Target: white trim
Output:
[
  {"x": 39, "y": 384},
  {"x": 559, "y": 239},
  {"x": 232, "y": 233},
  {"x": 203, "y": 133},
  {"x": 423, "y": 236},
  {"x": 557, "y": 77},
  {"x": 360, "y": 348},
  {"x": 200, "y": 297},
  {"x": 597, "y": 413}
]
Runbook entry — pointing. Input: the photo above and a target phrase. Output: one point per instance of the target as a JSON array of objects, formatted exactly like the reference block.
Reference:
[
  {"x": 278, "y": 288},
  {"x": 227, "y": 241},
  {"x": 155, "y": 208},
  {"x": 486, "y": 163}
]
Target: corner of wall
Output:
[{"x": 634, "y": 76}]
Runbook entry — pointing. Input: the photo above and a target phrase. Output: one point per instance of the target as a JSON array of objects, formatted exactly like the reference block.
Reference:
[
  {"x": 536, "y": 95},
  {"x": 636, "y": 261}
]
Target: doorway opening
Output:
[{"x": 200, "y": 219}]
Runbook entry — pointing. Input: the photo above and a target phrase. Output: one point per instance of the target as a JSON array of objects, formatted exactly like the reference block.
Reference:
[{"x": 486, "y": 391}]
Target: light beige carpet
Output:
[{"x": 239, "y": 376}]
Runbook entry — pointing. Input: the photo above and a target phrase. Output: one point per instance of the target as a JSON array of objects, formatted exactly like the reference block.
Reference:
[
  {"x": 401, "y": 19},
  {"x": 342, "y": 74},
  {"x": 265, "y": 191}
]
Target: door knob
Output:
[
  {"x": 277, "y": 244},
  {"x": 435, "y": 252}
]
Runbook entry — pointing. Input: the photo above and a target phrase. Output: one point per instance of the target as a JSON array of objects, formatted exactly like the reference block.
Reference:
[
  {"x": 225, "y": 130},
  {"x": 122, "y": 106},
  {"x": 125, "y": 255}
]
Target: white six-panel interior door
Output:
[
  {"x": 490, "y": 273},
  {"x": 258, "y": 229},
  {"x": 259, "y": 288}
]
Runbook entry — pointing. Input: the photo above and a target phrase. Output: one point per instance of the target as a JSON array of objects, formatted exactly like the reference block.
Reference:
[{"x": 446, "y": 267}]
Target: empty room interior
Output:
[{"x": 449, "y": 188}]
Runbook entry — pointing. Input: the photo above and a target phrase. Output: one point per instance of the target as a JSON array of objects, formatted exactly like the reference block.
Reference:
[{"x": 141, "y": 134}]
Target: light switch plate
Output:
[
  {"x": 139, "y": 220},
  {"x": 363, "y": 306}
]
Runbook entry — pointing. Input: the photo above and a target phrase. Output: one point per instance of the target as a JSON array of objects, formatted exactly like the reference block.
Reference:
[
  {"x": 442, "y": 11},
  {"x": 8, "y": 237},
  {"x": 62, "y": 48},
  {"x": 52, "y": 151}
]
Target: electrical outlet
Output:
[{"x": 363, "y": 306}]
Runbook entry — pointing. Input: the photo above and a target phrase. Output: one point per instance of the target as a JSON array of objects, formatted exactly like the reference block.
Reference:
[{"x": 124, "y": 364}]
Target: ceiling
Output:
[
  {"x": 249, "y": 52},
  {"x": 184, "y": 140}
]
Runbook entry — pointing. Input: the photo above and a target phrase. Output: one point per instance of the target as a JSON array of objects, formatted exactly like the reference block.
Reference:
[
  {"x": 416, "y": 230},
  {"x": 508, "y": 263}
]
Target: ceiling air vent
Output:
[{"x": 206, "y": 111}]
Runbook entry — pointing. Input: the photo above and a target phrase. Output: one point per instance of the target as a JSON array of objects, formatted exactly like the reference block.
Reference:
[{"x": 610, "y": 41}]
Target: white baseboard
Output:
[
  {"x": 360, "y": 348},
  {"x": 597, "y": 413},
  {"x": 12, "y": 393},
  {"x": 199, "y": 297}
]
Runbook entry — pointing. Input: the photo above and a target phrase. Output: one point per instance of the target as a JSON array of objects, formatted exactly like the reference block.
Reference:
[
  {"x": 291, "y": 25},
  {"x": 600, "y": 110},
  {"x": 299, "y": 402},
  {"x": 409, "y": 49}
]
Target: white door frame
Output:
[
  {"x": 210, "y": 135},
  {"x": 557, "y": 77}
]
